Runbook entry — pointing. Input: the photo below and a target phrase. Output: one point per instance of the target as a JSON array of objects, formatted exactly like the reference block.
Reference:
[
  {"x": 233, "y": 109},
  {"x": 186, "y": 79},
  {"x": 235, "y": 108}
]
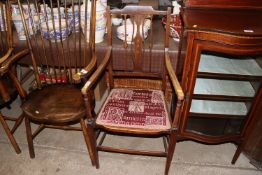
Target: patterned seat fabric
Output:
[{"x": 135, "y": 108}]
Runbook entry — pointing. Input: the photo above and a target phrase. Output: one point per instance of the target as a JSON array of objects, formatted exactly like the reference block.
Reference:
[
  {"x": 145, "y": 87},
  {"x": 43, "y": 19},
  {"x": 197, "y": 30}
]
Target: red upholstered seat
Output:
[{"x": 135, "y": 108}]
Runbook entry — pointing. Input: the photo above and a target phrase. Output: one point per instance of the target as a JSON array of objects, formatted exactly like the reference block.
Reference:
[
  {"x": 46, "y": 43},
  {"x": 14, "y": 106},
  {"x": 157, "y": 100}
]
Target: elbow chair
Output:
[
  {"x": 9, "y": 84},
  {"x": 58, "y": 51},
  {"x": 139, "y": 100}
]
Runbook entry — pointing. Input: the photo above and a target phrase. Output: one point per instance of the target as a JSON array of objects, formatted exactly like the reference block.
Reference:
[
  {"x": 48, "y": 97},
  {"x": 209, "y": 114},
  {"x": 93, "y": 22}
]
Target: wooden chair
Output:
[
  {"x": 56, "y": 102},
  {"x": 138, "y": 103},
  {"x": 9, "y": 84}
]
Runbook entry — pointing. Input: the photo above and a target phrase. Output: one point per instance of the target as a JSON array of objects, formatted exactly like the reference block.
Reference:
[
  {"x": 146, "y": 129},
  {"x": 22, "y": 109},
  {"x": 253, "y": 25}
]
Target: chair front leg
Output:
[
  {"x": 92, "y": 138},
  {"x": 89, "y": 128},
  {"x": 170, "y": 152},
  {"x": 87, "y": 140},
  {"x": 9, "y": 134},
  {"x": 29, "y": 137}
]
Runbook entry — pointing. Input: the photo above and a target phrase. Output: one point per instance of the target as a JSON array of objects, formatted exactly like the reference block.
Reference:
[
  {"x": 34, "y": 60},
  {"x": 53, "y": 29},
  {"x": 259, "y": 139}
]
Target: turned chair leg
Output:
[
  {"x": 29, "y": 137},
  {"x": 9, "y": 134},
  {"x": 170, "y": 151}
]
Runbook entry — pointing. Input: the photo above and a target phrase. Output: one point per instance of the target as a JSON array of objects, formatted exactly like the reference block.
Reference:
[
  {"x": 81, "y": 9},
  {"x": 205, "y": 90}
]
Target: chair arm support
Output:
[
  {"x": 95, "y": 76},
  {"x": 178, "y": 90},
  {"x": 8, "y": 60},
  {"x": 173, "y": 78}
]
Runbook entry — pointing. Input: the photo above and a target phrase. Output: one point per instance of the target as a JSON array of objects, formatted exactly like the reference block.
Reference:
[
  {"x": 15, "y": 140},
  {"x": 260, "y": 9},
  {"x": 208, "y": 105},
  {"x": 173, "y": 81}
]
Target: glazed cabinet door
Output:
[{"x": 223, "y": 86}]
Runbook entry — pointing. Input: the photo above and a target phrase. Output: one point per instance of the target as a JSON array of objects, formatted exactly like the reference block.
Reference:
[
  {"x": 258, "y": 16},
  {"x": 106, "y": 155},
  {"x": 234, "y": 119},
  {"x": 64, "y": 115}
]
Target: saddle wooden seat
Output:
[{"x": 58, "y": 103}]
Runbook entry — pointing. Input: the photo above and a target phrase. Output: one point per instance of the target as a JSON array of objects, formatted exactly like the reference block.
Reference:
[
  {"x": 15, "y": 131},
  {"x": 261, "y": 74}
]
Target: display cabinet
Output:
[{"x": 221, "y": 74}]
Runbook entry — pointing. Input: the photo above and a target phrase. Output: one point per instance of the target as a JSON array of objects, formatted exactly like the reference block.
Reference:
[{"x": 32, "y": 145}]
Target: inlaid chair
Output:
[
  {"x": 9, "y": 84},
  {"x": 59, "y": 47},
  {"x": 139, "y": 99}
]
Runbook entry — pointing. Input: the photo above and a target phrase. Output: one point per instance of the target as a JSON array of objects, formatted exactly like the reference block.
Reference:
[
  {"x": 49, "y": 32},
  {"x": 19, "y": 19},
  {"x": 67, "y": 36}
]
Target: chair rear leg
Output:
[
  {"x": 29, "y": 137},
  {"x": 170, "y": 152},
  {"x": 10, "y": 135}
]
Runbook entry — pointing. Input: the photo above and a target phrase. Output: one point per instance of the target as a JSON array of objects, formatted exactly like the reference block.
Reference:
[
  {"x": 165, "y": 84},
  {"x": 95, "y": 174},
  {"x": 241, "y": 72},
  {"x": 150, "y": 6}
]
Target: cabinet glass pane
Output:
[{"x": 230, "y": 65}]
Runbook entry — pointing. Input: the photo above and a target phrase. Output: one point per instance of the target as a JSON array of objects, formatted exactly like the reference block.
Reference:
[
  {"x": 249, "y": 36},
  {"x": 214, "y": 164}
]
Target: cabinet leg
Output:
[{"x": 237, "y": 153}]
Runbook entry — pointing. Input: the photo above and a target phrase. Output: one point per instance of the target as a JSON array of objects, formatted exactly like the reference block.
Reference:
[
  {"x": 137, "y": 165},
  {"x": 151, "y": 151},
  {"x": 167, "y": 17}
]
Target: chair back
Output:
[
  {"x": 6, "y": 41},
  {"x": 59, "y": 36},
  {"x": 9, "y": 84},
  {"x": 134, "y": 42}
]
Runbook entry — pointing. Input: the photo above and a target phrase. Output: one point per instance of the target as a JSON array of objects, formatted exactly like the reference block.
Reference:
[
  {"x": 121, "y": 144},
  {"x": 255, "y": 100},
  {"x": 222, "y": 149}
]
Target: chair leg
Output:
[
  {"x": 91, "y": 134},
  {"x": 87, "y": 140},
  {"x": 17, "y": 123},
  {"x": 170, "y": 152},
  {"x": 10, "y": 135},
  {"x": 29, "y": 137}
]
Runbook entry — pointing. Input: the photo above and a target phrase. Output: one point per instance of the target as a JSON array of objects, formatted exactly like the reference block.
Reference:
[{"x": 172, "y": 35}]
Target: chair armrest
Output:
[
  {"x": 7, "y": 60},
  {"x": 178, "y": 90},
  {"x": 7, "y": 55},
  {"x": 95, "y": 76},
  {"x": 85, "y": 72},
  {"x": 173, "y": 77}
]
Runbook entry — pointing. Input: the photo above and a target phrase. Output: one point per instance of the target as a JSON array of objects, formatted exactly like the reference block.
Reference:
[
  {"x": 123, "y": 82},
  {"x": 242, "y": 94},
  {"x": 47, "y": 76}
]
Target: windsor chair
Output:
[
  {"x": 9, "y": 84},
  {"x": 138, "y": 102},
  {"x": 59, "y": 47}
]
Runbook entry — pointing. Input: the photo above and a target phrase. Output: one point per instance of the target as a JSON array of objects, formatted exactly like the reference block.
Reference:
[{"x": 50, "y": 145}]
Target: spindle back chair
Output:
[
  {"x": 59, "y": 47},
  {"x": 137, "y": 103},
  {"x": 9, "y": 84}
]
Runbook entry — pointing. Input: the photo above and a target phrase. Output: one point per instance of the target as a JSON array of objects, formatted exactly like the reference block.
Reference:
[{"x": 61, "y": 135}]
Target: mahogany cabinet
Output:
[
  {"x": 221, "y": 74},
  {"x": 224, "y": 3}
]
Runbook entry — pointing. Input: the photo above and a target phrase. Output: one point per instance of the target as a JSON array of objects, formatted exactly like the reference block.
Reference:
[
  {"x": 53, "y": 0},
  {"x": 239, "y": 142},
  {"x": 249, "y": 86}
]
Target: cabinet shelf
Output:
[
  {"x": 228, "y": 76},
  {"x": 218, "y": 108},
  {"x": 212, "y": 66},
  {"x": 228, "y": 90},
  {"x": 221, "y": 116},
  {"x": 222, "y": 98}
]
